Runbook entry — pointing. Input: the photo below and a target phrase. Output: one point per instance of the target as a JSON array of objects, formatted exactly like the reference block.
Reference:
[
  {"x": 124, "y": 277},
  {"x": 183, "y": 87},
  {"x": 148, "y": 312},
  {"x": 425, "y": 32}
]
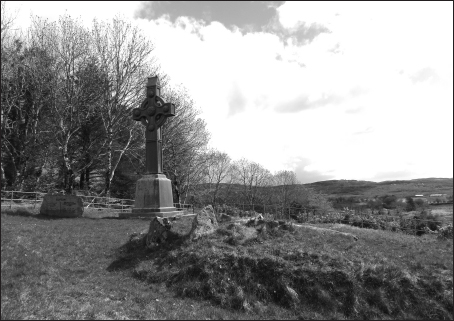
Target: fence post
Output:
[
  {"x": 34, "y": 206},
  {"x": 11, "y": 202}
]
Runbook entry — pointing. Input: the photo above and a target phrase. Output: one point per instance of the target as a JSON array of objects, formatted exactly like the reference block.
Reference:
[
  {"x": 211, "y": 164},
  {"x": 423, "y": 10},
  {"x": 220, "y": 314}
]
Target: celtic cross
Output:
[{"x": 153, "y": 113}]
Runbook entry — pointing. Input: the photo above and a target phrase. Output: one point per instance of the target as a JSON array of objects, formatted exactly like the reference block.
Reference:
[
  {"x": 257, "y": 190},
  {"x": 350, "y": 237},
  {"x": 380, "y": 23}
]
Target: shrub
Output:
[
  {"x": 445, "y": 232},
  {"x": 426, "y": 221},
  {"x": 230, "y": 210}
]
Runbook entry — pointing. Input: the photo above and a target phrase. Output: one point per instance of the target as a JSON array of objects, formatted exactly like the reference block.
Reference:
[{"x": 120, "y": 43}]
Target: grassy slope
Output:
[
  {"x": 400, "y": 188},
  {"x": 86, "y": 268},
  {"x": 368, "y": 189}
]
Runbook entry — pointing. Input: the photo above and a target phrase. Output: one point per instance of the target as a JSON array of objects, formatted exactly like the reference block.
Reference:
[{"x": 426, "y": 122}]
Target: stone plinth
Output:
[
  {"x": 62, "y": 206},
  {"x": 153, "y": 198}
]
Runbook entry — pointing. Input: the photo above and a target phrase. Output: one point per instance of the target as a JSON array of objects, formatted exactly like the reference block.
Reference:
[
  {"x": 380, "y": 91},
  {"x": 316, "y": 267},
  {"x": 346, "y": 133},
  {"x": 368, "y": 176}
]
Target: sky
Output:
[{"x": 330, "y": 90}]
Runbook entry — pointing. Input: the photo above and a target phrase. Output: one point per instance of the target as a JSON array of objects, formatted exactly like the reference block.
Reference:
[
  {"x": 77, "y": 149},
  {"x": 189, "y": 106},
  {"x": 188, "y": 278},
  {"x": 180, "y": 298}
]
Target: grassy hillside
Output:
[
  {"x": 359, "y": 189},
  {"x": 90, "y": 269},
  {"x": 400, "y": 188}
]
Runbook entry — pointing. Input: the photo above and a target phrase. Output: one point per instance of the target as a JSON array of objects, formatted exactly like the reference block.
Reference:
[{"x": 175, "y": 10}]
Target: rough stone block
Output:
[
  {"x": 158, "y": 232},
  {"x": 204, "y": 223},
  {"x": 225, "y": 217},
  {"x": 62, "y": 206}
]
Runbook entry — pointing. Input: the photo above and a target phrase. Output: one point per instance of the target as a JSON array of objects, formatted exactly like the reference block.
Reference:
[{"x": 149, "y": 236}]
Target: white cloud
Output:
[
  {"x": 371, "y": 99},
  {"x": 378, "y": 54}
]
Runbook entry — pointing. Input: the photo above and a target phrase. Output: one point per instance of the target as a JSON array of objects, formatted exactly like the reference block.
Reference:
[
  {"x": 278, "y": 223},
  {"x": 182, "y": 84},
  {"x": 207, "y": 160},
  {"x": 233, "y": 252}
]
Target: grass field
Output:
[
  {"x": 87, "y": 268},
  {"x": 444, "y": 210}
]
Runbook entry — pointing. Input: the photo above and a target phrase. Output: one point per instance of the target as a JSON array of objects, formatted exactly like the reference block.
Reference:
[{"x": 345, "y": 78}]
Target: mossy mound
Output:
[{"x": 257, "y": 273}]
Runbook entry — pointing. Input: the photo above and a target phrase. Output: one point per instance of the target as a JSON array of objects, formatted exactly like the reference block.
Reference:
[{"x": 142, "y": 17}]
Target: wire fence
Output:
[
  {"x": 34, "y": 199},
  {"x": 407, "y": 222},
  {"x": 410, "y": 222}
]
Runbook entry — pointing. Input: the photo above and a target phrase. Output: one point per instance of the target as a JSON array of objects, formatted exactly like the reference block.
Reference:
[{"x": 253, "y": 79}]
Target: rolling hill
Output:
[{"x": 400, "y": 188}]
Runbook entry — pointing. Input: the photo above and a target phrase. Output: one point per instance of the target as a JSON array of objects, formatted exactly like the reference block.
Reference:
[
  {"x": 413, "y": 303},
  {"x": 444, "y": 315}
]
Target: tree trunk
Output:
[
  {"x": 109, "y": 162},
  {"x": 68, "y": 171},
  {"x": 81, "y": 181},
  {"x": 112, "y": 168},
  {"x": 87, "y": 178}
]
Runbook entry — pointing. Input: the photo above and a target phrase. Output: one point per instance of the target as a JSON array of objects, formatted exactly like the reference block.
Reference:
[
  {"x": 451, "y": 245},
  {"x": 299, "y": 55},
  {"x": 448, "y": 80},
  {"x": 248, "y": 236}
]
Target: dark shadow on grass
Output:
[
  {"x": 18, "y": 213},
  {"x": 26, "y": 213},
  {"x": 116, "y": 218},
  {"x": 103, "y": 218},
  {"x": 135, "y": 251}
]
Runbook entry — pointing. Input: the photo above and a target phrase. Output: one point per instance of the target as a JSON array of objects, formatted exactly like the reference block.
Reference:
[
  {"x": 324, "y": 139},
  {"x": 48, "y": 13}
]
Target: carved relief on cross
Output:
[{"x": 153, "y": 113}]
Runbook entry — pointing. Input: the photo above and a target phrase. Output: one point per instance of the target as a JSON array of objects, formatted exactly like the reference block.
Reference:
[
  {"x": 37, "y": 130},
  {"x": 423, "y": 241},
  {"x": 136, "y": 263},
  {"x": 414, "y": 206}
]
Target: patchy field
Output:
[
  {"x": 88, "y": 269},
  {"x": 445, "y": 210}
]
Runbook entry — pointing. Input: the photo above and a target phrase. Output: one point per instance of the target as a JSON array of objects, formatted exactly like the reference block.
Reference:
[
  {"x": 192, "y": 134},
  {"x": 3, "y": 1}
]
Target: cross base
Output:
[
  {"x": 153, "y": 198},
  {"x": 144, "y": 213}
]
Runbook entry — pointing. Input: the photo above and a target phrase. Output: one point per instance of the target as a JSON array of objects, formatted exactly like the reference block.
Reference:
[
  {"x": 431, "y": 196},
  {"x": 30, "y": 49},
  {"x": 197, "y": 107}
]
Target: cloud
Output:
[
  {"x": 425, "y": 74},
  {"x": 236, "y": 100},
  {"x": 346, "y": 110},
  {"x": 368, "y": 130},
  {"x": 358, "y": 91},
  {"x": 306, "y": 176},
  {"x": 306, "y": 33},
  {"x": 393, "y": 175},
  {"x": 246, "y": 16},
  {"x": 303, "y": 102},
  {"x": 302, "y": 33},
  {"x": 249, "y": 16},
  {"x": 354, "y": 110}
]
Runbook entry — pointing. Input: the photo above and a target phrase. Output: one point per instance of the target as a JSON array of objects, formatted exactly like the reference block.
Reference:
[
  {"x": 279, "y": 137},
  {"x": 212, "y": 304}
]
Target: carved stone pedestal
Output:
[{"x": 153, "y": 198}]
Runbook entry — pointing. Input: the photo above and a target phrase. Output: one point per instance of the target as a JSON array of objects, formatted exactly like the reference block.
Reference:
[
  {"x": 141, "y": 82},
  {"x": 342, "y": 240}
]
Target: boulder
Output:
[
  {"x": 204, "y": 223},
  {"x": 258, "y": 220},
  {"x": 292, "y": 295},
  {"x": 157, "y": 232},
  {"x": 62, "y": 205},
  {"x": 225, "y": 217}
]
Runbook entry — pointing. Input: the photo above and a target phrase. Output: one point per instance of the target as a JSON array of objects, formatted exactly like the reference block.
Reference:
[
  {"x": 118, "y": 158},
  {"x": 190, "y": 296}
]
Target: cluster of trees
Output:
[
  {"x": 67, "y": 92},
  {"x": 249, "y": 183}
]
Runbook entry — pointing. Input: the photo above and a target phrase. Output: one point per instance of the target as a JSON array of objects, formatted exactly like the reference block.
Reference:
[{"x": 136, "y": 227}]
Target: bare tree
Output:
[
  {"x": 218, "y": 169},
  {"x": 285, "y": 182},
  {"x": 67, "y": 43},
  {"x": 7, "y": 24},
  {"x": 123, "y": 54},
  {"x": 11, "y": 92},
  {"x": 252, "y": 176},
  {"x": 184, "y": 142}
]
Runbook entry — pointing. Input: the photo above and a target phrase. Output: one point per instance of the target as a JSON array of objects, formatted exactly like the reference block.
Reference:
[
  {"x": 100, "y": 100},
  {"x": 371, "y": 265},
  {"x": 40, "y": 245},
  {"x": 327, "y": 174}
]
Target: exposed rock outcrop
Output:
[
  {"x": 158, "y": 232},
  {"x": 204, "y": 223}
]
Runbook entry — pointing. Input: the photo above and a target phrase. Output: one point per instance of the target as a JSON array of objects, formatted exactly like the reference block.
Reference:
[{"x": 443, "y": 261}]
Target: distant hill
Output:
[
  {"x": 400, "y": 188},
  {"x": 361, "y": 189}
]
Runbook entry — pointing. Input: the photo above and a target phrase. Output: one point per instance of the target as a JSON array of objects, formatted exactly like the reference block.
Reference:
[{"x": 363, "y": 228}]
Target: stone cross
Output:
[{"x": 153, "y": 113}]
